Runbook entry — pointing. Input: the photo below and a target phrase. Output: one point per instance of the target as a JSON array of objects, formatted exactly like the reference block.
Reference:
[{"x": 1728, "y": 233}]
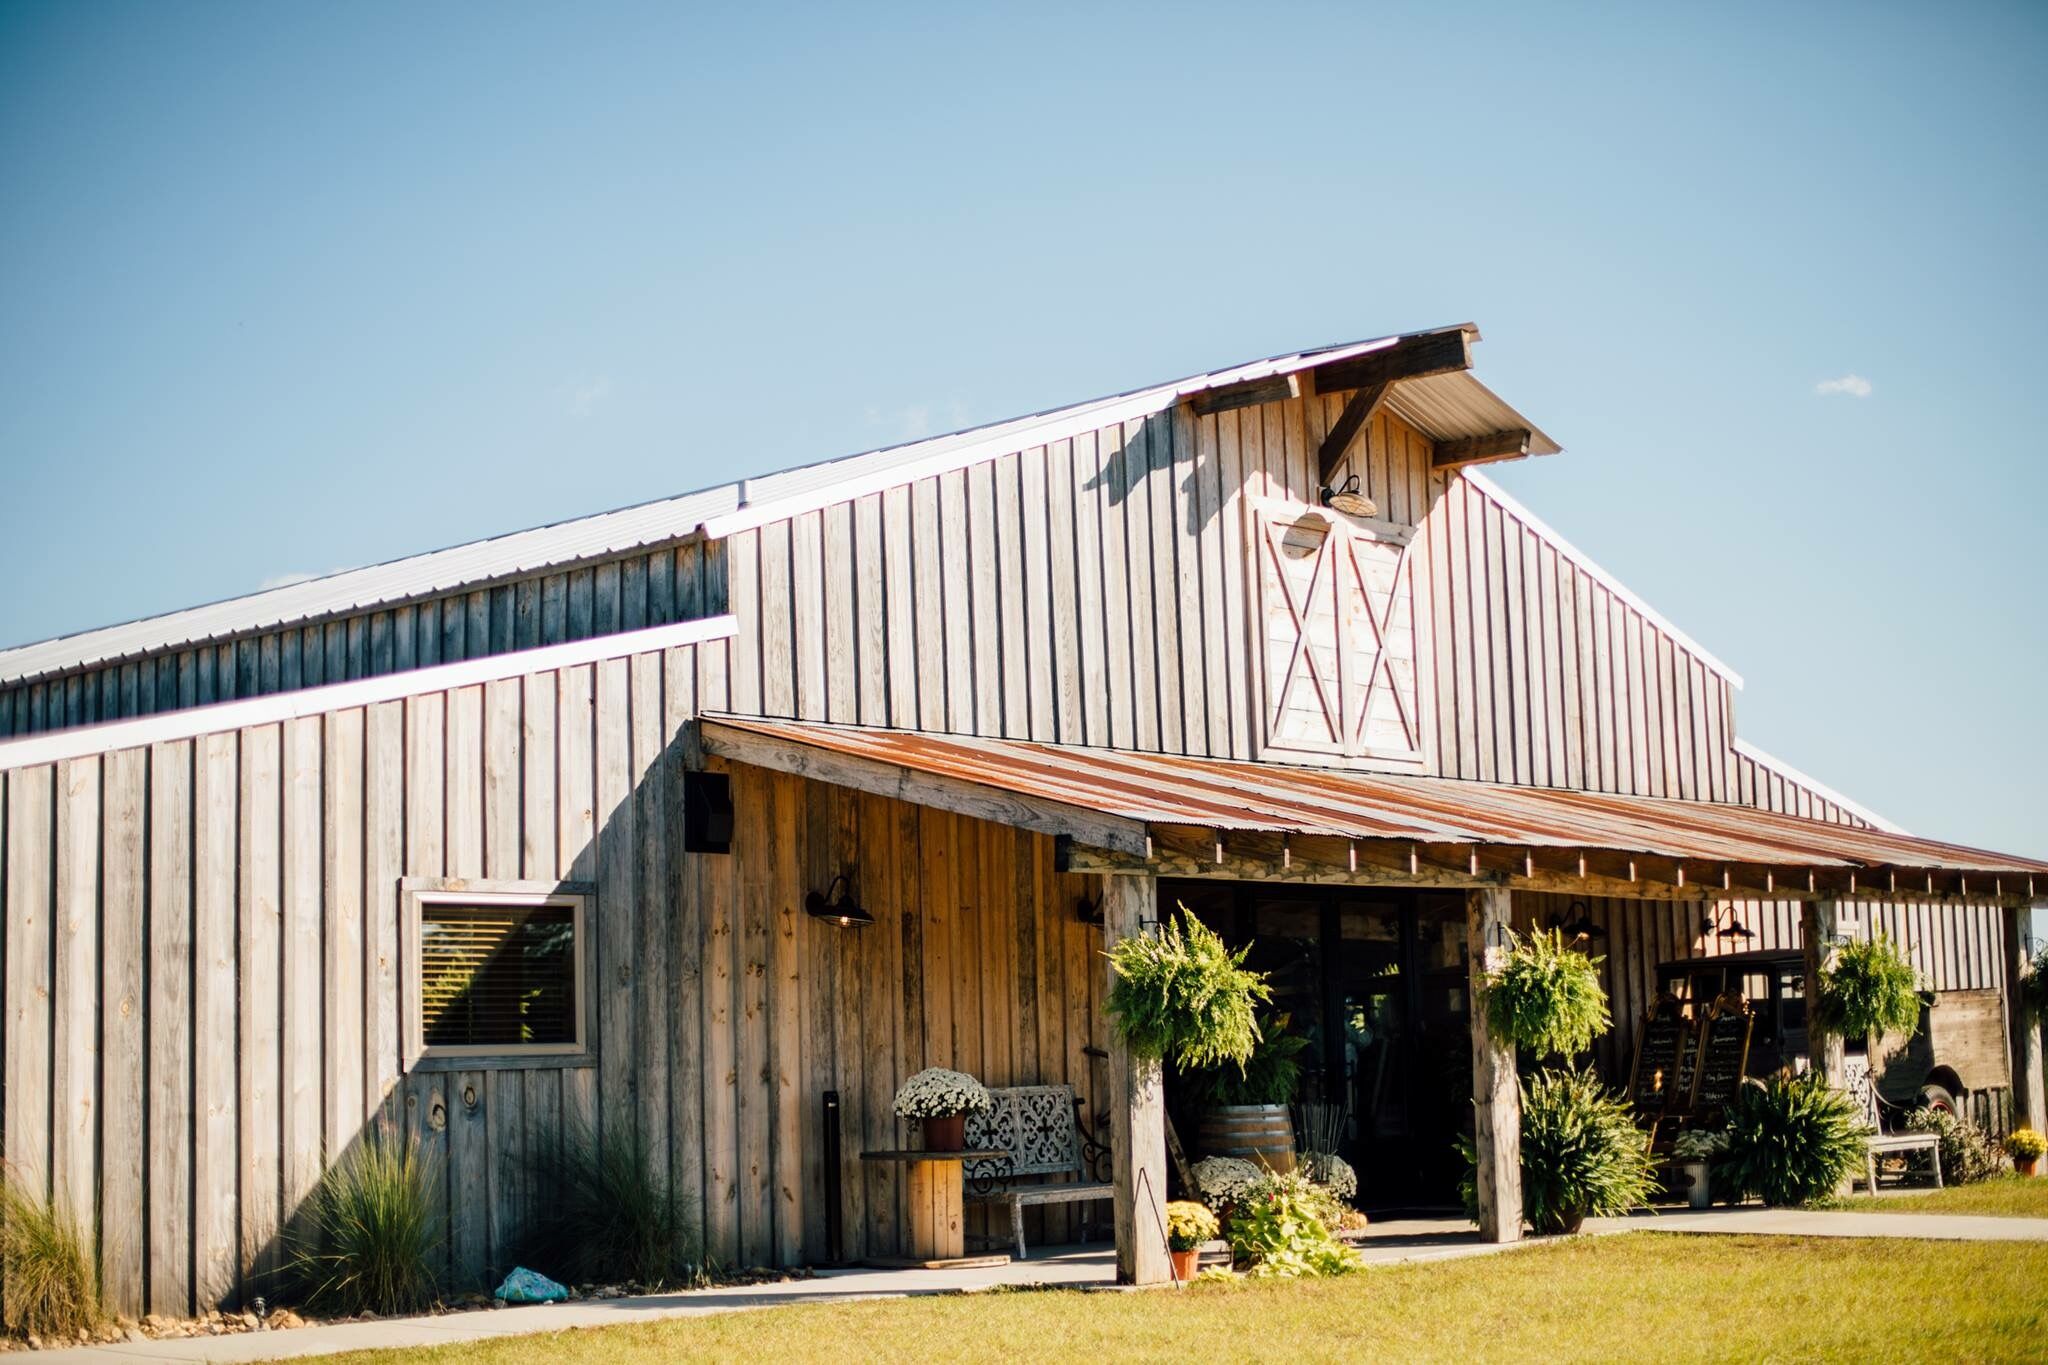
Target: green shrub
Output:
[
  {"x": 608, "y": 1213},
  {"x": 1282, "y": 1227},
  {"x": 1967, "y": 1152},
  {"x": 1869, "y": 990},
  {"x": 1582, "y": 1154},
  {"x": 1188, "y": 1225},
  {"x": 1544, "y": 996},
  {"x": 372, "y": 1236},
  {"x": 1268, "y": 1076},
  {"x": 48, "y": 1282},
  {"x": 1792, "y": 1140},
  {"x": 1182, "y": 994}
]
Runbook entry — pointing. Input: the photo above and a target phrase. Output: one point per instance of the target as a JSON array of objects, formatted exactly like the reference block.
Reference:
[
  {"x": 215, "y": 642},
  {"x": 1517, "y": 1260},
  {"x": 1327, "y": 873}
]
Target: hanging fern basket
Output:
[{"x": 1544, "y": 996}]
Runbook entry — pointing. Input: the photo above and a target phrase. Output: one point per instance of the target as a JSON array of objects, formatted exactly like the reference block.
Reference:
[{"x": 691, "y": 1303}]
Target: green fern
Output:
[
  {"x": 1545, "y": 996},
  {"x": 1792, "y": 1140},
  {"x": 1182, "y": 994},
  {"x": 1869, "y": 990},
  {"x": 1582, "y": 1154}
]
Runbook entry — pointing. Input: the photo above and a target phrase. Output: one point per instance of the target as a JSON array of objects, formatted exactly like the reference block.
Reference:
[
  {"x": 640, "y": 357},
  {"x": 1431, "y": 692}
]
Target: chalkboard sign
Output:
[
  {"x": 1688, "y": 1067},
  {"x": 1724, "y": 1053},
  {"x": 1658, "y": 1042}
]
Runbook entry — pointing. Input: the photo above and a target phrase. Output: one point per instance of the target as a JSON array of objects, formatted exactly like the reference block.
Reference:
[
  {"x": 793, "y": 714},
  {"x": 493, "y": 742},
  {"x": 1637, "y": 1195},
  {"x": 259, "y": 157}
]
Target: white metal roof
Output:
[{"x": 1445, "y": 407}]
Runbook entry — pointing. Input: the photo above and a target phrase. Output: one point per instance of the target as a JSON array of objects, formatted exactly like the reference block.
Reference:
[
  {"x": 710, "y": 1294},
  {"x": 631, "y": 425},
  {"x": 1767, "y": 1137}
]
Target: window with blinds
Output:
[{"x": 499, "y": 977}]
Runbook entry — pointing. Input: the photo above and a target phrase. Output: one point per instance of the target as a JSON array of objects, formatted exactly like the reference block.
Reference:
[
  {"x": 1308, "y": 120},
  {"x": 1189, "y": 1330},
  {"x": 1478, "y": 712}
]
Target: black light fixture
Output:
[
  {"x": 842, "y": 910},
  {"x": 1582, "y": 925},
  {"x": 1089, "y": 912},
  {"x": 1347, "y": 498},
  {"x": 1710, "y": 923}
]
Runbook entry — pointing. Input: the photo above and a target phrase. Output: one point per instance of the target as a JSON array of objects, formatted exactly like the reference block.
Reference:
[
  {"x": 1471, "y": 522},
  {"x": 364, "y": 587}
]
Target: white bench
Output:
[
  {"x": 1036, "y": 1128},
  {"x": 1857, "y": 1081}
]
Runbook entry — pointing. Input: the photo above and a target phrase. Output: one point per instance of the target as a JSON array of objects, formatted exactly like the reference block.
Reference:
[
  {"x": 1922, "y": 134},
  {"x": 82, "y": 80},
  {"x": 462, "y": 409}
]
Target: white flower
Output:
[
  {"x": 1223, "y": 1180},
  {"x": 936, "y": 1093},
  {"x": 1698, "y": 1144},
  {"x": 1332, "y": 1172}
]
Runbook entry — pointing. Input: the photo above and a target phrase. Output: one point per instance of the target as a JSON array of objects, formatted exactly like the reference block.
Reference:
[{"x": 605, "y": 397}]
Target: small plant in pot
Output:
[
  {"x": 1695, "y": 1151},
  {"x": 1244, "y": 1106},
  {"x": 1188, "y": 1226},
  {"x": 2025, "y": 1147},
  {"x": 942, "y": 1100}
]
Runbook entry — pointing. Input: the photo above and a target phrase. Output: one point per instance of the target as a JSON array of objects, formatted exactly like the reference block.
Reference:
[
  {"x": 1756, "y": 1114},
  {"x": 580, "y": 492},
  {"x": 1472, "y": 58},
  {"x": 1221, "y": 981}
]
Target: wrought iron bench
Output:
[{"x": 1045, "y": 1161}]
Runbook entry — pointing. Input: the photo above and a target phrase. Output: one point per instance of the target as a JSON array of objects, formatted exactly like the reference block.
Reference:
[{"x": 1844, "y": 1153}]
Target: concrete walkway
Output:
[{"x": 1091, "y": 1267}]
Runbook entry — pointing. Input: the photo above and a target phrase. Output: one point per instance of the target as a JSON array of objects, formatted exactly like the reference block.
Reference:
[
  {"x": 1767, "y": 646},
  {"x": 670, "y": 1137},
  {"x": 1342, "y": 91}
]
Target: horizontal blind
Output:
[{"x": 494, "y": 975}]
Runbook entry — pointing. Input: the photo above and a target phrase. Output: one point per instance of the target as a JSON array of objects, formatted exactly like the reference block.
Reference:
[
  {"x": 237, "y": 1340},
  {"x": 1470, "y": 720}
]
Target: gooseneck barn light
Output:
[
  {"x": 841, "y": 910},
  {"x": 1347, "y": 498}
]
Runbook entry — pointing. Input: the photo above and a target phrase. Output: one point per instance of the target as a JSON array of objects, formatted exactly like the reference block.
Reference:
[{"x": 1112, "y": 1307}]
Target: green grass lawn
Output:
[
  {"x": 1639, "y": 1296},
  {"x": 2009, "y": 1196}
]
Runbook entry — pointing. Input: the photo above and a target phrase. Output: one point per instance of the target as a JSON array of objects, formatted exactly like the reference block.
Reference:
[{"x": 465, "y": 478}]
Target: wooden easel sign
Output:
[
  {"x": 1660, "y": 1038},
  {"x": 1724, "y": 1054}
]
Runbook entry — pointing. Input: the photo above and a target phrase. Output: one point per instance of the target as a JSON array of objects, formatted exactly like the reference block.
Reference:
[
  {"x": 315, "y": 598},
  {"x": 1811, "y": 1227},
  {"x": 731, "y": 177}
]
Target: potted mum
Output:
[
  {"x": 2025, "y": 1147},
  {"x": 1188, "y": 1225},
  {"x": 942, "y": 1100}
]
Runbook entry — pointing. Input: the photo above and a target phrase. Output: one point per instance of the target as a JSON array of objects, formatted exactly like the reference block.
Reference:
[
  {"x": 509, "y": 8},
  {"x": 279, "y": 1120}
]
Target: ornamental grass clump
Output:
[
  {"x": 1182, "y": 994},
  {"x": 609, "y": 1214},
  {"x": 1544, "y": 996},
  {"x": 51, "y": 1291},
  {"x": 1792, "y": 1140},
  {"x": 1582, "y": 1154},
  {"x": 373, "y": 1236},
  {"x": 1869, "y": 990}
]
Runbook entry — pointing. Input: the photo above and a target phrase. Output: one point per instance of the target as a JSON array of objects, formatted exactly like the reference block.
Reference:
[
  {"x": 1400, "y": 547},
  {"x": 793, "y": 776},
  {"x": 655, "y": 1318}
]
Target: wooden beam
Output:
[
  {"x": 1496, "y": 1093},
  {"x": 1413, "y": 357},
  {"x": 1294, "y": 869},
  {"x": 1817, "y": 924},
  {"x": 1358, "y": 413},
  {"x": 1487, "y": 449},
  {"x": 959, "y": 795},
  {"x": 2029, "y": 1102},
  {"x": 1137, "y": 1109},
  {"x": 1247, "y": 394}
]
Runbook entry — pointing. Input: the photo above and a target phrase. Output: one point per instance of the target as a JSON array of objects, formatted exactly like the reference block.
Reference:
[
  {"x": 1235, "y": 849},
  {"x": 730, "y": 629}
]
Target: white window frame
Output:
[{"x": 419, "y": 893}]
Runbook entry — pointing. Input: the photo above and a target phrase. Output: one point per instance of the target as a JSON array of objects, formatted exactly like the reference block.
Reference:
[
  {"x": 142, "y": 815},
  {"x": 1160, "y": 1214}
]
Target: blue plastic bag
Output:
[{"x": 530, "y": 1286}]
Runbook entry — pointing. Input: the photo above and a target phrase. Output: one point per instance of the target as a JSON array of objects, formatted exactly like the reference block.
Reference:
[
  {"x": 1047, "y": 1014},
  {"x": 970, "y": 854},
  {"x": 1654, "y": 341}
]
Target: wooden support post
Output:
[
  {"x": 1817, "y": 923},
  {"x": 2029, "y": 1103},
  {"x": 1137, "y": 1108},
  {"x": 1496, "y": 1093}
]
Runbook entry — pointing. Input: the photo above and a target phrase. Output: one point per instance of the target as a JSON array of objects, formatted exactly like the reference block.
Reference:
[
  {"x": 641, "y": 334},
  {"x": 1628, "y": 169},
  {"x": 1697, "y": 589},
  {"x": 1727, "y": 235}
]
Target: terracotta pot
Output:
[
  {"x": 1185, "y": 1263},
  {"x": 947, "y": 1134},
  {"x": 2026, "y": 1165}
]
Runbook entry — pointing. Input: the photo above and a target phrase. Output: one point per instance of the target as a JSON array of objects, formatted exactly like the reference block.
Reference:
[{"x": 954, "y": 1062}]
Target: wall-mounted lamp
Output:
[
  {"x": 1088, "y": 912},
  {"x": 1347, "y": 498},
  {"x": 1580, "y": 925},
  {"x": 1710, "y": 923},
  {"x": 841, "y": 910}
]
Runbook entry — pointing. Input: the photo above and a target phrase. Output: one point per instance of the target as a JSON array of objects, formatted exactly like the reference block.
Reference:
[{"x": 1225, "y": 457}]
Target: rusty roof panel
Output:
[{"x": 1171, "y": 789}]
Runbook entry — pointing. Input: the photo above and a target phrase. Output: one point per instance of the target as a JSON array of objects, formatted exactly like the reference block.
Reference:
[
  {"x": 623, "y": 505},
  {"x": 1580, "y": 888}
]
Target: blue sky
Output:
[{"x": 291, "y": 288}]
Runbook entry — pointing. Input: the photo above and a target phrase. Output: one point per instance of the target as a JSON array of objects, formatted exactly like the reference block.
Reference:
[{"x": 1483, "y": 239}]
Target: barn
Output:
[{"x": 794, "y": 786}]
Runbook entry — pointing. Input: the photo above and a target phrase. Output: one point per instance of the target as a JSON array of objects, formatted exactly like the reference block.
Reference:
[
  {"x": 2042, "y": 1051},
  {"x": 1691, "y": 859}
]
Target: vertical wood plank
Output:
[
  {"x": 260, "y": 975},
  {"x": 123, "y": 1046},
  {"x": 215, "y": 1073}
]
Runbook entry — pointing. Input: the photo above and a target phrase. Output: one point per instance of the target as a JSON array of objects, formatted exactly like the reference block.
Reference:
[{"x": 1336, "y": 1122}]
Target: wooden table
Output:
[{"x": 935, "y": 1184}]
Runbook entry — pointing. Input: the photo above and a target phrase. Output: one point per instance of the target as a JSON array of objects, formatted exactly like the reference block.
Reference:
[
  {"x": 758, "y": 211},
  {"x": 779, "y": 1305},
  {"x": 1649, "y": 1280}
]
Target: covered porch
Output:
[{"x": 1432, "y": 871}]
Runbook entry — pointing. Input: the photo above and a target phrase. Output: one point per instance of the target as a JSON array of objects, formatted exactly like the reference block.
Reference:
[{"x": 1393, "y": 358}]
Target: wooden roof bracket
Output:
[{"x": 1358, "y": 413}]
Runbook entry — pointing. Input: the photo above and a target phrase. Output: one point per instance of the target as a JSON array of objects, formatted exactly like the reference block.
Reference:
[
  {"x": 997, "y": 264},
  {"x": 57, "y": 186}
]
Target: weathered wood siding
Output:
[
  {"x": 1095, "y": 591},
  {"x": 648, "y": 588},
  {"x": 201, "y": 999}
]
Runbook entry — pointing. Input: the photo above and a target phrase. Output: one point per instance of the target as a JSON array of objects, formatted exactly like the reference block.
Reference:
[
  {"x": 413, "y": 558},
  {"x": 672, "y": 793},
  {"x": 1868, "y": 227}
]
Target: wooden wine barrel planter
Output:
[{"x": 1258, "y": 1133}]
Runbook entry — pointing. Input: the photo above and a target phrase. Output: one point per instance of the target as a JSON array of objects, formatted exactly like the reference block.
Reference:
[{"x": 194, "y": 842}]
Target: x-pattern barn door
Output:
[{"x": 1336, "y": 612}]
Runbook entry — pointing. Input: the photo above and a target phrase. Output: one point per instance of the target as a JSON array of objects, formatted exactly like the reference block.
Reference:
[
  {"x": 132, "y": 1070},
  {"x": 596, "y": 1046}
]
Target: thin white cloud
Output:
[
  {"x": 584, "y": 395},
  {"x": 1855, "y": 385},
  {"x": 919, "y": 420}
]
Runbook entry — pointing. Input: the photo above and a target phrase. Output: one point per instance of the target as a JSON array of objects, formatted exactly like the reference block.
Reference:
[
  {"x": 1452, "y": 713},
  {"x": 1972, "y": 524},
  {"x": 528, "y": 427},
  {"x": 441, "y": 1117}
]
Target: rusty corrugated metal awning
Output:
[{"x": 1119, "y": 799}]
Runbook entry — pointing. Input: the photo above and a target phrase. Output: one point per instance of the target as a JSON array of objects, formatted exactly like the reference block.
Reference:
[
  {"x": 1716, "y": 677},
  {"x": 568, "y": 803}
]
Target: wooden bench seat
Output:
[{"x": 1037, "y": 1129}]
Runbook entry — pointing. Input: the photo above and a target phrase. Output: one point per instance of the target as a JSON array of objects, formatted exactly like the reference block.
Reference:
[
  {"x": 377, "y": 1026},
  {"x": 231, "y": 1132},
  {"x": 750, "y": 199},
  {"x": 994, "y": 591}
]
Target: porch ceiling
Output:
[{"x": 1127, "y": 812}]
